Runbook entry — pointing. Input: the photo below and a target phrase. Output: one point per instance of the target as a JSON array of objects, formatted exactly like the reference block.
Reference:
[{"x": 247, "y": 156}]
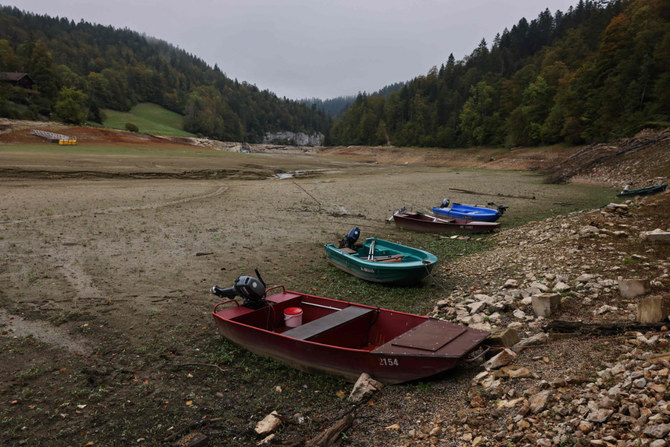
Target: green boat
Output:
[
  {"x": 383, "y": 261},
  {"x": 649, "y": 190}
]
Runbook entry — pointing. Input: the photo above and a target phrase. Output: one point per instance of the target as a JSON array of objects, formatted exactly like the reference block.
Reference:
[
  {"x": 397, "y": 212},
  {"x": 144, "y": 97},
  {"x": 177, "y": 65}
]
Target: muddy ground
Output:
[{"x": 108, "y": 250}]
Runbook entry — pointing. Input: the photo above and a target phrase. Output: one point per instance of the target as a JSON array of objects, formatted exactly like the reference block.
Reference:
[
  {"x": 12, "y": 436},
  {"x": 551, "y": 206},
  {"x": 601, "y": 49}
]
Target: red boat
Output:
[
  {"x": 410, "y": 220},
  {"x": 341, "y": 338}
]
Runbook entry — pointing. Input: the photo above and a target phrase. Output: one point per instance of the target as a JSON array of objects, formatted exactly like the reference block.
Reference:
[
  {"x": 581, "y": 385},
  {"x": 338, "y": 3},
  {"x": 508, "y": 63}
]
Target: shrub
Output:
[{"x": 132, "y": 127}]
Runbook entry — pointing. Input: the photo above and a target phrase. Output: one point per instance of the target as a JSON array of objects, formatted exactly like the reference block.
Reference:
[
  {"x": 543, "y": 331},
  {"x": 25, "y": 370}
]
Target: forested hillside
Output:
[
  {"x": 81, "y": 68},
  {"x": 337, "y": 106},
  {"x": 599, "y": 71}
]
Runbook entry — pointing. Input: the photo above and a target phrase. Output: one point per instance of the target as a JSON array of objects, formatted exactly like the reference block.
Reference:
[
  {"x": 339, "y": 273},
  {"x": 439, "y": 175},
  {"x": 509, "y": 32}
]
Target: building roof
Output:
[{"x": 12, "y": 76}]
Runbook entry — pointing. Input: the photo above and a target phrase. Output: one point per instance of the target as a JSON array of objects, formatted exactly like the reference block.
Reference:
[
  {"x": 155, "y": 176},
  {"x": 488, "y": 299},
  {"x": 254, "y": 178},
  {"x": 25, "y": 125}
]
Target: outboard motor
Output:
[
  {"x": 247, "y": 287},
  {"x": 350, "y": 239},
  {"x": 445, "y": 203},
  {"x": 501, "y": 209}
]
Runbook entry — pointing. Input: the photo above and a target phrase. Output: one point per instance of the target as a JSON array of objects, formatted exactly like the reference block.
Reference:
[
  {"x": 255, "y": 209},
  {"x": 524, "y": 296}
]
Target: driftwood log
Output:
[
  {"x": 466, "y": 191},
  {"x": 601, "y": 328},
  {"x": 331, "y": 435}
]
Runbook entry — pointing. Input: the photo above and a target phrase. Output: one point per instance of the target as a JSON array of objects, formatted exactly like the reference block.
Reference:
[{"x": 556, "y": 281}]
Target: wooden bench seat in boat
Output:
[{"x": 330, "y": 321}]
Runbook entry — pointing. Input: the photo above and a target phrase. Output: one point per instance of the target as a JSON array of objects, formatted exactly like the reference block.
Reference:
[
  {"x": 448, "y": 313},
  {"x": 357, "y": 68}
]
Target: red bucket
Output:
[{"x": 293, "y": 316}]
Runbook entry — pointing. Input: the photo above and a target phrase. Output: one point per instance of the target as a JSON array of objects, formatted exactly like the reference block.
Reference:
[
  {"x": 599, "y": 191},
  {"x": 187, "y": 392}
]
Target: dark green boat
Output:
[
  {"x": 383, "y": 261},
  {"x": 649, "y": 190}
]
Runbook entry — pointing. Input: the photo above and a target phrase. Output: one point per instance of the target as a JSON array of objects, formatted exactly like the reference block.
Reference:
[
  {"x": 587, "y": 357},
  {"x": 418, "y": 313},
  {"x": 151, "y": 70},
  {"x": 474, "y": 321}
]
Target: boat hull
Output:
[
  {"x": 416, "y": 264},
  {"x": 650, "y": 190},
  {"x": 458, "y": 211},
  {"x": 430, "y": 224},
  {"x": 385, "y": 362}
]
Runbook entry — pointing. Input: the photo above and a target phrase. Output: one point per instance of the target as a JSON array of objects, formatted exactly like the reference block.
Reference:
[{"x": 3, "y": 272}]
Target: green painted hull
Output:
[{"x": 415, "y": 265}]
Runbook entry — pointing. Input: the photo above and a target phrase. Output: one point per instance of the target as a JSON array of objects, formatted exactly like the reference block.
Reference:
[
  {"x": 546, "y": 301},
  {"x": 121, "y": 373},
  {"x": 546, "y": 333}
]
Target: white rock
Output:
[{"x": 269, "y": 424}]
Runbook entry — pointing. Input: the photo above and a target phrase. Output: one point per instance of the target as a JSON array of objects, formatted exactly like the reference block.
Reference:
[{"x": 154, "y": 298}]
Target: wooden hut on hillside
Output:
[{"x": 17, "y": 79}]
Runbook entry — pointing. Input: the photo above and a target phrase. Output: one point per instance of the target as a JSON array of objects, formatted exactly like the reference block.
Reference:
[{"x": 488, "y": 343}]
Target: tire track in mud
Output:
[
  {"x": 119, "y": 209},
  {"x": 44, "y": 332}
]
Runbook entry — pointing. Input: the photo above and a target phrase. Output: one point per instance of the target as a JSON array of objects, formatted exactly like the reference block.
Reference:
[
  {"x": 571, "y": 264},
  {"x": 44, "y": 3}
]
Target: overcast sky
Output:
[{"x": 310, "y": 48}]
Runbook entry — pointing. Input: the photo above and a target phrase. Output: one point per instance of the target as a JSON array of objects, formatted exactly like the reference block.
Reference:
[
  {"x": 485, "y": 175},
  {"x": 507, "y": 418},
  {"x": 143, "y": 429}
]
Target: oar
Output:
[
  {"x": 371, "y": 254},
  {"x": 437, "y": 219}
]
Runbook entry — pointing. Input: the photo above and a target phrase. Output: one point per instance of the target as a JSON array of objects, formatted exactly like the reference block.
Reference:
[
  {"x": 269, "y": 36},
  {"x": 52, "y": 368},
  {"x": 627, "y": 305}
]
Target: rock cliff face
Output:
[{"x": 294, "y": 138}]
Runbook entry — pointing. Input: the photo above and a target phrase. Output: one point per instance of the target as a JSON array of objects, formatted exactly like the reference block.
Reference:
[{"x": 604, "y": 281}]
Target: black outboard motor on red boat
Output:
[
  {"x": 247, "y": 287},
  {"x": 350, "y": 238}
]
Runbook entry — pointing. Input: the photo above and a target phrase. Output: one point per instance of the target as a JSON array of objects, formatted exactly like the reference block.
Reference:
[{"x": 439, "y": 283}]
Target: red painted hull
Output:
[
  {"x": 429, "y": 224},
  {"x": 393, "y": 347}
]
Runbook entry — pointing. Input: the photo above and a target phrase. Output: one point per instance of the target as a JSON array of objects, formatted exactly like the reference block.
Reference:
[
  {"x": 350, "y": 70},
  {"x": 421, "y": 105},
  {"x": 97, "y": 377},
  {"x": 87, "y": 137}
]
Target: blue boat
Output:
[
  {"x": 382, "y": 261},
  {"x": 468, "y": 212}
]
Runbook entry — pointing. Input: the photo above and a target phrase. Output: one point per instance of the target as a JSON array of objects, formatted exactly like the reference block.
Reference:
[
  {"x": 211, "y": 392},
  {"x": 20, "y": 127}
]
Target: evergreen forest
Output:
[
  {"x": 597, "y": 72},
  {"x": 79, "y": 69}
]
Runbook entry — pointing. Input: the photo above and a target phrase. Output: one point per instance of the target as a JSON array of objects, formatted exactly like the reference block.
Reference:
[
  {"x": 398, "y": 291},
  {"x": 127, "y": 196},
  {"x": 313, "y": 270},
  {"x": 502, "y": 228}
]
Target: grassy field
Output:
[{"x": 149, "y": 118}]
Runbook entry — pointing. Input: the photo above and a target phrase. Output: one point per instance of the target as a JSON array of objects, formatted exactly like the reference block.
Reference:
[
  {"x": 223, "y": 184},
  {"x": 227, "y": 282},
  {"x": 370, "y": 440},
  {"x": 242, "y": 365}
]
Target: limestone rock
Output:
[
  {"x": 652, "y": 309},
  {"x": 505, "y": 357},
  {"x": 630, "y": 288},
  {"x": 537, "y": 339},
  {"x": 364, "y": 387},
  {"x": 503, "y": 337},
  {"x": 546, "y": 304},
  {"x": 269, "y": 424},
  {"x": 657, "y": 235},
  {"x": 588, "y": 231},
  {"x": 538, "y": 402}
]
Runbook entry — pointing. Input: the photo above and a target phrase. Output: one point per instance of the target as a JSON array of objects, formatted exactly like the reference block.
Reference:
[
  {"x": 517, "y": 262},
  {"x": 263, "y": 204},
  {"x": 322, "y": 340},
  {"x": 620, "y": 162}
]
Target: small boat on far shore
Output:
[
  {"x": 415, "y": 221},
  {"x": 649, "y": 190}
]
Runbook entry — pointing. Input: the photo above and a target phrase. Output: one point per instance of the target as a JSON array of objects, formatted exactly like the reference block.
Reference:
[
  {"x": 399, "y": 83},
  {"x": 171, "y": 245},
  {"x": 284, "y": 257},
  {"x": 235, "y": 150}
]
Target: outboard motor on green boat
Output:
[
  {"x": 247, "y": 287},
  {"x": 350, "y": 239}
]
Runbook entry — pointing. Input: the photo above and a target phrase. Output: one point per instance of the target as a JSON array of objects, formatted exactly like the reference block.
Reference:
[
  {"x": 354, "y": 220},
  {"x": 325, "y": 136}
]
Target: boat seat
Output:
[
  {"x": 390, "y": 258},
  {"x": 348, "y": 251},
  {"x": 330, "y": 321}
]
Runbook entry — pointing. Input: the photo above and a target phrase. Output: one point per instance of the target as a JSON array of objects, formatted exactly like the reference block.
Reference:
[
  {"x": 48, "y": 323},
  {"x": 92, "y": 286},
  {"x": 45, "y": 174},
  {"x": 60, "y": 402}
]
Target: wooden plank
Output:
[
  {"x": 330, "y": 321},
  {"x": 429, "y": 336}
]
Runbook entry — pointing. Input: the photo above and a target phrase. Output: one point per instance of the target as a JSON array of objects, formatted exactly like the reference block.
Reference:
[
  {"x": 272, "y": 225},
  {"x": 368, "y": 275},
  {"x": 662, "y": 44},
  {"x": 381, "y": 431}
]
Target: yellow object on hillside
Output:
[{"x": 54, "y": 137}]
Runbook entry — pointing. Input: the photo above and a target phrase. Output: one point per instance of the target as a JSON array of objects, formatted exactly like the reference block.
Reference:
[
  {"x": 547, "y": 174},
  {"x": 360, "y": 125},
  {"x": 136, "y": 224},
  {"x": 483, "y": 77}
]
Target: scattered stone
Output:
[
  {"x": 510, "y": 284},
  {"x": 630, "y": 288},
  {"x": 364, "y": 387},
  {"x": 537, "y": 339},
  {"x": 653, "y": 309},
  {"x": 605, "y": 308},
  {"x": 269, "y": 424},
  {"x": 546, "y": 304},
  {"x": 619, "y": 208},
  {"x": 505, "y": 357},
  {"x": 538, "y": 402},
  {"x": 516, "y": 372},
  {"x": 561, "y": 287},
  {"x": 657, "y": 235},
  {"x": 193, "y": 439},
  {"x": 267, "y": 440},
  {"x": 657, "y": 431},
  {"x": 586, "y": 277},
  {"x": 503, "y": 337},
  {"x": 588, "y": 231}
]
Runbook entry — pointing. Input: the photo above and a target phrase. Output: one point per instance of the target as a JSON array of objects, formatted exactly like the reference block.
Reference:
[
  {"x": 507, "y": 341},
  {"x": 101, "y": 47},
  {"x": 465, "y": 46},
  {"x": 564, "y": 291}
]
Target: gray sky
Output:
[{"x": 310, "y": 48}]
